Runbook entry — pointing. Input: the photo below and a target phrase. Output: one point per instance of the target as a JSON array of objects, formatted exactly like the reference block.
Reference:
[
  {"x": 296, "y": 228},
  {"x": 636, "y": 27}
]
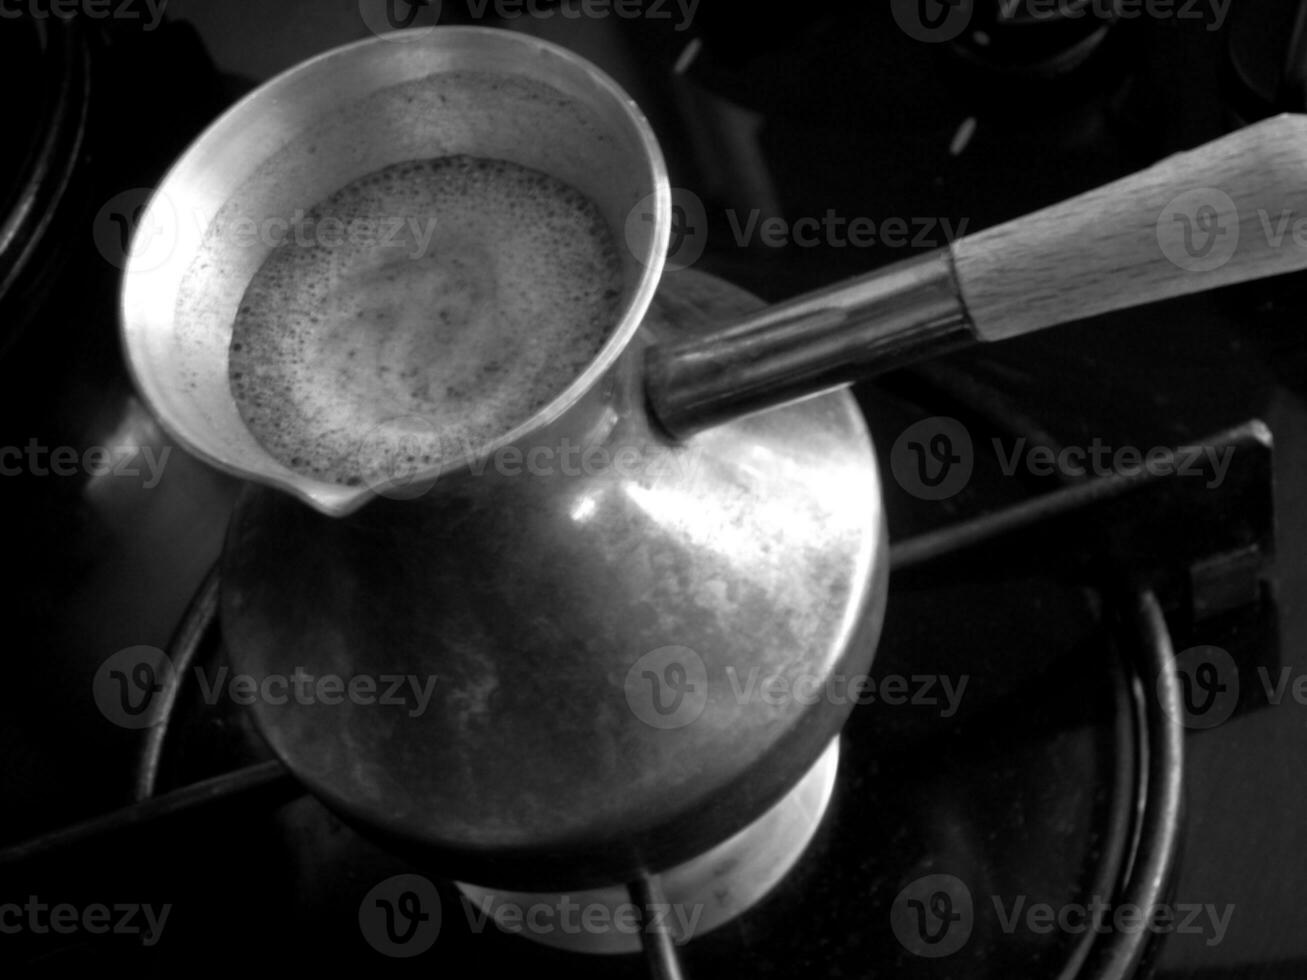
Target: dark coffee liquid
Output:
[{"x": 419, "y": 313}]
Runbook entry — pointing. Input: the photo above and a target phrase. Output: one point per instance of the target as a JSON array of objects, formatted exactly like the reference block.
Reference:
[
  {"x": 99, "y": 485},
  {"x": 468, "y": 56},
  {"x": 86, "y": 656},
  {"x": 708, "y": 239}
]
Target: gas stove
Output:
[{"x": 1074, "y": 754}]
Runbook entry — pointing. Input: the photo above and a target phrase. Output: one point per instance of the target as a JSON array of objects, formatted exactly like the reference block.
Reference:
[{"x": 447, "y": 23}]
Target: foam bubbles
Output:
[{"x": 462, "y": 291}]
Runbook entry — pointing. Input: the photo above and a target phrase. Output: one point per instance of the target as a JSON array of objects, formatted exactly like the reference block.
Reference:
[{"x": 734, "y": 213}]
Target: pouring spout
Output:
[
  {"x": 336, "y": 500},
  {"x": 331, "y": 500}
]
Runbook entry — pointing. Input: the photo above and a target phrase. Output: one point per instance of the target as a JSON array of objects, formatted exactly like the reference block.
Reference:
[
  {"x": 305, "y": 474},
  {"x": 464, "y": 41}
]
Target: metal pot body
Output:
[
  {"x": 587, "y": 653},
  {"x": 609, "y": 655}
]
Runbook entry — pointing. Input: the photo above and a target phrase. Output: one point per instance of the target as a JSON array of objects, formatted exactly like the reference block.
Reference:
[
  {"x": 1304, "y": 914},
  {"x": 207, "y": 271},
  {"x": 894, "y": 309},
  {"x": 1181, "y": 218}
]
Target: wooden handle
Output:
[{"x": 1231, "y": 210}]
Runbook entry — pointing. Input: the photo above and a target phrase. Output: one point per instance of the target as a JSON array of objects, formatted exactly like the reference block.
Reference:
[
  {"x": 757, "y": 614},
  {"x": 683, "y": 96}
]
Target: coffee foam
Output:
[{"x": 452, "y": 299}]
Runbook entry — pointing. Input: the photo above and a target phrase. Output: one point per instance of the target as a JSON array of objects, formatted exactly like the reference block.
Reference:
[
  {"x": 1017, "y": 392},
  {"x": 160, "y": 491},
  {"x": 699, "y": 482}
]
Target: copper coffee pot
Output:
[{"x": 591, "y": 629}]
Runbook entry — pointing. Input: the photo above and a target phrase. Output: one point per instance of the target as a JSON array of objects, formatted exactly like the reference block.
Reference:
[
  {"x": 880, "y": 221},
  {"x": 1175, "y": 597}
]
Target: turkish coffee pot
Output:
[{"x": 590, "y": 629}]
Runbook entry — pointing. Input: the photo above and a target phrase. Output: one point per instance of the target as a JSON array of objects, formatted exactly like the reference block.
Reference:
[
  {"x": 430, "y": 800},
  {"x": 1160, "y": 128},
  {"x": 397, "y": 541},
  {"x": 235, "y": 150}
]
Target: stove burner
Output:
[
  {"x": 775, "y": 883},
  {"x": 51, "y": 60},
  {"x": 1043, "y": 783}
]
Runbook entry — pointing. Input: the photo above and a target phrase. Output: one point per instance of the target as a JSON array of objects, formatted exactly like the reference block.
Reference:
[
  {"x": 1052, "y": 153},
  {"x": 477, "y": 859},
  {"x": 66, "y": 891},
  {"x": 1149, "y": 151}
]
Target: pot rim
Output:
[{"x": 338, "y": 499}]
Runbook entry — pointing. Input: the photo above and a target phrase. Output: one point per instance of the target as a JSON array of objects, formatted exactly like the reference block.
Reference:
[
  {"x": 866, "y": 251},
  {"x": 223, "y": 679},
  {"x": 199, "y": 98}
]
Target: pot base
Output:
[{"x": 698, "y": 895}]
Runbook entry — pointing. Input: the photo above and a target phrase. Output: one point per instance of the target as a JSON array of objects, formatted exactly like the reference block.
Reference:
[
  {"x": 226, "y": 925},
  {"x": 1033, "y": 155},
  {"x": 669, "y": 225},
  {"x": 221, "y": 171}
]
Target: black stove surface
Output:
[{"x": 1021, "y": 779}]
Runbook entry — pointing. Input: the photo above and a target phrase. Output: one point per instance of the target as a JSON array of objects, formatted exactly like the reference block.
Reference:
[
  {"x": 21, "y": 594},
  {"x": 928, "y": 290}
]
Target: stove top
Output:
[{"x": 1075, "y": 755}]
